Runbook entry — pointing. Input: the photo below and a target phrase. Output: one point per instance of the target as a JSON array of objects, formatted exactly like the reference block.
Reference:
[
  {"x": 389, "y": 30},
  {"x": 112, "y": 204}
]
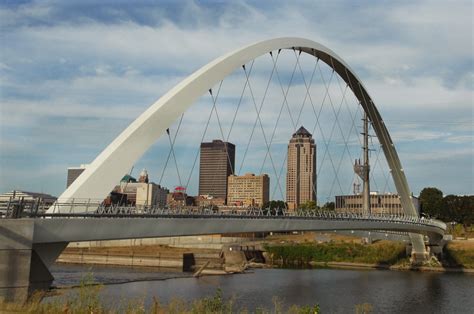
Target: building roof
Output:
[
  {"x": 128, "y": 178},
  {"x": 217, "y": 144},
  {"x": 302, "y": 132},
  {"x": 27, "y": 195}
]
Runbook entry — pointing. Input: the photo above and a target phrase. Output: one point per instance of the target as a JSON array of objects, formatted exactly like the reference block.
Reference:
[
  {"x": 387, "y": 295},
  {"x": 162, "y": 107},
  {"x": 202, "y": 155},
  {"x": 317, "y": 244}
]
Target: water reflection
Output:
[{"x": 337, "y": 291}]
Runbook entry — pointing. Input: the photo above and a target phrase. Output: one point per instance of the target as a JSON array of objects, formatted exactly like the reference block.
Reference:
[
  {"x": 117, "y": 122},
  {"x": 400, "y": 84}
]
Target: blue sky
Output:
[{"x": 74, "y": 74}]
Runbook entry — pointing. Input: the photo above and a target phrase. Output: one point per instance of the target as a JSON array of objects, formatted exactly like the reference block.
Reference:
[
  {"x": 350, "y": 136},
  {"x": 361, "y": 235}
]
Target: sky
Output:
[{"x": 74, "y": 74}]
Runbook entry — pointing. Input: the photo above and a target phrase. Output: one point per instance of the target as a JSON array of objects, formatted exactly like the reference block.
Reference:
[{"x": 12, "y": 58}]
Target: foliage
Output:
[
  {"x": 275, "y": 207},
  {"x": 309, "y": 205},
  {"x": 431, "y": 201},
  {"x": 302, "y": 254},
  {"x": 329, "y": 206},
  {"x": 275, "y": 204},
  {"x": 458, "y": 208},
  {"x": 451, "y": 208},
  {"x": 88, "y": 301},
  {"x": 458, "y": 256}
]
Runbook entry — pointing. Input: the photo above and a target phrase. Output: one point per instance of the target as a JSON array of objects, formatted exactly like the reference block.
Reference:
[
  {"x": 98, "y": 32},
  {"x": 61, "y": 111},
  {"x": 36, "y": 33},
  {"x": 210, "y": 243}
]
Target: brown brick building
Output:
[{"x": 248, "y": 190}]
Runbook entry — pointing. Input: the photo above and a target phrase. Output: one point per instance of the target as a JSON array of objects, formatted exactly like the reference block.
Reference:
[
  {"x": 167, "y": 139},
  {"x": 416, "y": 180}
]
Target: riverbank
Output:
[
  {"x": 200, "y": 261},
  {"x": 88, "y": 300},
  {"x": 346, "y": 265},
  {"x": 458, "y": 256},
  {"x": 290, "y": 251}
]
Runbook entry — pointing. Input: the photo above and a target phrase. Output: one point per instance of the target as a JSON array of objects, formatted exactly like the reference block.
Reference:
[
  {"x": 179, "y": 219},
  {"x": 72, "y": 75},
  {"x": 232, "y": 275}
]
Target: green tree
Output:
[
  {"x": 431, "y": 201},
  {"x": 309, "y": 205},
  {"x": 329, "y": 206},
  {"x": 459, "y": 209},
  {"x": 275, "y": 207}
]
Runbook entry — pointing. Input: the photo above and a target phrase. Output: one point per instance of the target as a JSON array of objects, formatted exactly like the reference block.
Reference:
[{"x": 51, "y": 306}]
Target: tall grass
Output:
[
  {"x": 88, "y": 301},
  {"x": 303, "y": 254},
  {"x": 458, "y": 256}
]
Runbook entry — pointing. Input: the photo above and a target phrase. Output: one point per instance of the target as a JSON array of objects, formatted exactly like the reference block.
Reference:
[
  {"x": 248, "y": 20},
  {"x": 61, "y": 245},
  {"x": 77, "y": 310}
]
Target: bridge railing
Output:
[{"x": 89, "y": 208}]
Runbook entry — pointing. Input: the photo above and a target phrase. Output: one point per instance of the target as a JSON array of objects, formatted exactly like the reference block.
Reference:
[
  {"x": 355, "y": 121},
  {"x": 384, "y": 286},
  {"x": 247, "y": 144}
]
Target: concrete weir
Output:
[{"x": 24, "y": 266}]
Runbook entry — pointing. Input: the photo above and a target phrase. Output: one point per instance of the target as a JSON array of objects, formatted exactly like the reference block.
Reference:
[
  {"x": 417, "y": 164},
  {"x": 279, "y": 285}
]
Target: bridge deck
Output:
[{"x": 106, "y": 227}]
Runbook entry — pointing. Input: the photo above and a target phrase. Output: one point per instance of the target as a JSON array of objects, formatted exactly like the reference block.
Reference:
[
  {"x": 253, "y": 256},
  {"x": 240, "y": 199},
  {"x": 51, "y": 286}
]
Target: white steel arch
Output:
[{"x": 107, "y": 169}]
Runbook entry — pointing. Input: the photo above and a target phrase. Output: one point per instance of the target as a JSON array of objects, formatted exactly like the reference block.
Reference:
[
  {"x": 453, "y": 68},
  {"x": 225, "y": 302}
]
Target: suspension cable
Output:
[
  {"x": 214, "y": 101},
  {"x": 326, "y": 143},
  {"x": 174, "y": 156},
  {"x": 202, "y": 139},
  {"x": 258, "y": 111},
  {"x": 307, "y": 95},
  {"x": 169, "y": 152},
  {"x": 285, "y": 94},
  {"x": 239, "y": 103}
]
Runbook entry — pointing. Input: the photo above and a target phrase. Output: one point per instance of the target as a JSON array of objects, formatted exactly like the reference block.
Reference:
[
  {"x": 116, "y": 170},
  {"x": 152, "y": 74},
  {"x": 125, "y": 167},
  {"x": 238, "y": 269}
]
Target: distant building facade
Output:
[
  {"x": 73, "y": 173},
  {"x": 38, "y": 202},
  {"x": 217, "y": 162},
  {"x": 179, "y": 199},
  {"x": 388, "y": 203},
  {"x": 301, "y": 169},
  {"x": 248, "y": 190},
  {"x": 139, "y": 193},
  {"x": 208, "y": 200}
]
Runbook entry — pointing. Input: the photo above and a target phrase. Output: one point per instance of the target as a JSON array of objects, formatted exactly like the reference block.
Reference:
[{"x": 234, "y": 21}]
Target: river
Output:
[{"x": 335, "y": 290}]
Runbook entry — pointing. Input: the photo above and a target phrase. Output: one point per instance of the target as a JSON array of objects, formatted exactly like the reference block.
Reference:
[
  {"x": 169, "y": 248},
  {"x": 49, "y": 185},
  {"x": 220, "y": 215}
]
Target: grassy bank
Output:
[
  {"x": 459, "y": 254},
  {"x": 87, "y": 300},
  {"x": 386, "y": 253}
]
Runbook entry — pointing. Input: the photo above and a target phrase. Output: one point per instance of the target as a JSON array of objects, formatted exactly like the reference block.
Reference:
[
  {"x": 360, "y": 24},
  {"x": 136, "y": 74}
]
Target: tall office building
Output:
[
  {"x": 73, "y": 173},
  {"x": 301, "y": 173},
  {"x": 217, "y": 162}
]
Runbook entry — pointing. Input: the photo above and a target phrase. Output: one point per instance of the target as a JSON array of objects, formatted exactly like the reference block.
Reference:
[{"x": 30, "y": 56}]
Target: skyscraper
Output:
[
  {"x": 301, "y": 173},
  {"x": 217, "y": 162}
]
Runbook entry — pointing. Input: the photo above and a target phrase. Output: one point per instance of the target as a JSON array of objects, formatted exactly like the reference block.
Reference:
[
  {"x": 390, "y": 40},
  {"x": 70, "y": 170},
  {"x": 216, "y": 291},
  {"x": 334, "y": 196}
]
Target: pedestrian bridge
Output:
[
  {"x": 29, "y": 246},
  {"x": 124, "y": 223}
]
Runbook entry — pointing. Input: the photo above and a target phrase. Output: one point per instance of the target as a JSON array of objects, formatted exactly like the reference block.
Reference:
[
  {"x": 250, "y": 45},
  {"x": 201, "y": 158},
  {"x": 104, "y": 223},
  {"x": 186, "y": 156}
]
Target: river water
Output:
[{"x": 335, "y": 290}]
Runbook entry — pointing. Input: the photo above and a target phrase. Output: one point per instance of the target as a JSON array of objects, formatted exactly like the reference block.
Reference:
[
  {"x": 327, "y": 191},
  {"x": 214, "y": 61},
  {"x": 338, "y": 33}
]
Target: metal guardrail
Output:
[{"x": 94, "y": 209}]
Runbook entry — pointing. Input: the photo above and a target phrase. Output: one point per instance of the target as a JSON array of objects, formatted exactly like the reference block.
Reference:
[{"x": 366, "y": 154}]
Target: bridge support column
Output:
[
  {"x": 418, "y": 258},
  {"x": 24, "y": 266},
  {"x": 419, "y": 252}
]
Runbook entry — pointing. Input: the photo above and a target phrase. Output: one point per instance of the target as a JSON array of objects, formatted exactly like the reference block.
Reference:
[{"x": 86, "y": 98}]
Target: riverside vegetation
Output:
[
  {"x": 304, "y": 254},
  {"x": 87, "y": 300},
  {"x": 456, "y": 254}
]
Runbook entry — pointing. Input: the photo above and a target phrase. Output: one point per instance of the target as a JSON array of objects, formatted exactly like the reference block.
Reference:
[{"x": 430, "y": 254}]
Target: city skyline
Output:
[
  {"x": 149, "y": 144},
  {"x": 59, "y": 108}
]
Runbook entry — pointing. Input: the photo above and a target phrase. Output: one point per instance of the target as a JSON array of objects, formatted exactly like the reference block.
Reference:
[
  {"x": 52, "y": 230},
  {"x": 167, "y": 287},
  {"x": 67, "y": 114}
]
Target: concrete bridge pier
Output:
[
  {"x": 24, "y": 266},
  {"x": 418, "y": 258}
]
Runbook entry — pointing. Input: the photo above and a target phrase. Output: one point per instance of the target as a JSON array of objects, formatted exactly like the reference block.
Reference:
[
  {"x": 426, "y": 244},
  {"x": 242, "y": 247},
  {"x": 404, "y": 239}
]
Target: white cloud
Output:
[{"x": 86, "y": 70}]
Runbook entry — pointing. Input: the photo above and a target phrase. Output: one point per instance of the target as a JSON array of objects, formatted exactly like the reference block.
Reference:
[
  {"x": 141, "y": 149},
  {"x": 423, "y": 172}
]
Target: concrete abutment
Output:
[{"x": 24, "y": 266}]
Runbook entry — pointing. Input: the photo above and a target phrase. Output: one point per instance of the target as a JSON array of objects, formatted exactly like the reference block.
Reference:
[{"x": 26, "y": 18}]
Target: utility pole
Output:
[{"x": 363, "y": 170}]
